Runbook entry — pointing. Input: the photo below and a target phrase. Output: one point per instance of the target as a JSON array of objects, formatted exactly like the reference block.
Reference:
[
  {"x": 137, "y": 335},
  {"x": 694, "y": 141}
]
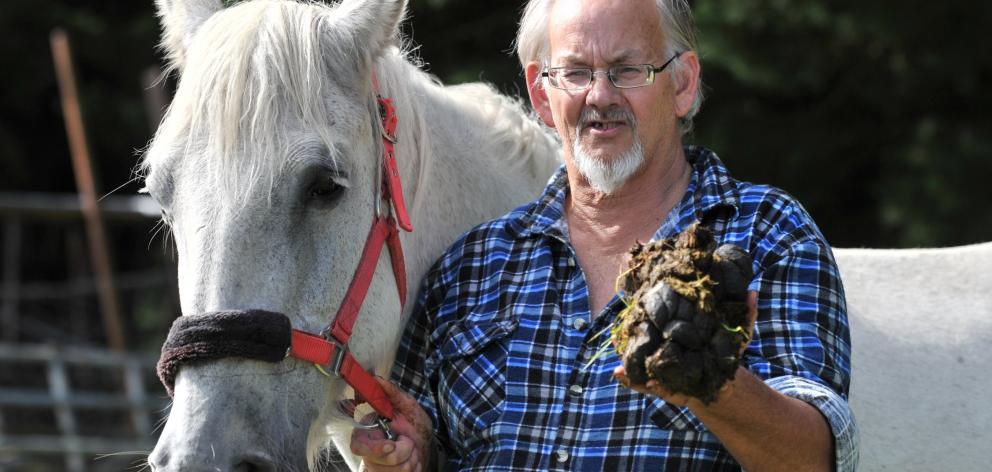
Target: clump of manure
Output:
[{"x": 686, "y": 313}]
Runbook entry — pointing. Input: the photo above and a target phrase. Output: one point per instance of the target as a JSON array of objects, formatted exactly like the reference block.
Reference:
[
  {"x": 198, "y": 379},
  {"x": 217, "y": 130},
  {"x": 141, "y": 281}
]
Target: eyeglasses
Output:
[{"x": 623, "y": 76}]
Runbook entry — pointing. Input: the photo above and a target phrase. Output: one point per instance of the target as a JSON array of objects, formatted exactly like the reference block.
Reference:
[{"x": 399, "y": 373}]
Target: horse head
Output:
[{"x": 267, "y": 169}]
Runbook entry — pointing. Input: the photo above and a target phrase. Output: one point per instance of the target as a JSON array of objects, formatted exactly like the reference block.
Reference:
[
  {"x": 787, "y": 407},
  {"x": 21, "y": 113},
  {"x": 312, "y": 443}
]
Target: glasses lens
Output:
[
  {"x": 630, "y": 76},
  {"x": 571, "y": 79}
]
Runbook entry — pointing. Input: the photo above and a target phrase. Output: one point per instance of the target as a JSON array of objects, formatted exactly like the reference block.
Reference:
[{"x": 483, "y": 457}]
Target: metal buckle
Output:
[
  {"x": 334, "y": 364},
  {"x": 347, "y": 407},
  {"x": 383, "y": 116},
  {"x": 387, "y": 136},
  {"x": 383, "y": 424}
]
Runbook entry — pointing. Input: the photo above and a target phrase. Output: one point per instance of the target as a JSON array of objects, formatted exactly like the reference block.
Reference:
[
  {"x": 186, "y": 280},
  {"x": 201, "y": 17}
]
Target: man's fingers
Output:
[
  {"x": 653, "y": 387},
  {"x": 408, "y": 407},
  {"x": 396, "y": 396},
  {"x": 392, "y": 453},
  {"x": 366, "y": 443},
  {"x": 400, "y": 399},
  {"x": 412, "y": 427},
  {"x": 379, "y": 451},
  {"x": 621, "y": 375}
]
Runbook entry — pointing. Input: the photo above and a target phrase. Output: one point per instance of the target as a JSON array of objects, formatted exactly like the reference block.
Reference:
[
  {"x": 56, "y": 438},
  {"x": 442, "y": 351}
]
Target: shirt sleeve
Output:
[
  {"x": 409, "y": 370},
  {"x": 802, "y": 342},
  {"x": 834, "y": 409}
]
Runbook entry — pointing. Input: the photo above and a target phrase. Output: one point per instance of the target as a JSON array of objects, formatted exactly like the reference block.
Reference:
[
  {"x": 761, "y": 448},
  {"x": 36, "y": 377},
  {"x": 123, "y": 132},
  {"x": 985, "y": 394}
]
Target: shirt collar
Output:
[
  {"x": 542, "y": 215},
  {"x": 710, "y": 188}
]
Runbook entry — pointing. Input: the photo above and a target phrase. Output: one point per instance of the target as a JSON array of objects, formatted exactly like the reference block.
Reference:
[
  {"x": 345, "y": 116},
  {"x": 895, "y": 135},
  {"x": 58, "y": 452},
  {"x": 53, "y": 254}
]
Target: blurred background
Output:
[{"x": 874, "y": 114}]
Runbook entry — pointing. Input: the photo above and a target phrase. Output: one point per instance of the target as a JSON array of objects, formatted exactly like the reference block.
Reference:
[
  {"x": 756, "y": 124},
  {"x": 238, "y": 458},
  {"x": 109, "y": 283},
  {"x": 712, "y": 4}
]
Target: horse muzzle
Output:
[{"x": 175, "y": 459}]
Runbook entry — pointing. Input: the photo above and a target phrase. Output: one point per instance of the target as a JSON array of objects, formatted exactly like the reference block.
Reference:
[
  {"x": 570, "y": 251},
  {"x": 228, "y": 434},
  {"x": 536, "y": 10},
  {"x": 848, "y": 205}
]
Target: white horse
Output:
[
  {"x": 266, "y": 166},
  {"x": 921, "y": 330}
]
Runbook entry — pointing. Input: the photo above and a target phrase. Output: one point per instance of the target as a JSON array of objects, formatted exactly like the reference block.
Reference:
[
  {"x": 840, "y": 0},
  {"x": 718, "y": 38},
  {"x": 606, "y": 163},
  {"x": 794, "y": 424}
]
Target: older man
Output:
[{"x": 495, "y": 356}]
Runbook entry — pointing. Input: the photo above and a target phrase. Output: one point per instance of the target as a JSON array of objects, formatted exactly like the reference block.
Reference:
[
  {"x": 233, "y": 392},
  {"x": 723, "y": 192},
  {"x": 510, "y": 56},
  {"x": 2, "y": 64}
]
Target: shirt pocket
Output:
[
  {"x": 471, "y": 373},
  {"x": 670, "y": 417}
]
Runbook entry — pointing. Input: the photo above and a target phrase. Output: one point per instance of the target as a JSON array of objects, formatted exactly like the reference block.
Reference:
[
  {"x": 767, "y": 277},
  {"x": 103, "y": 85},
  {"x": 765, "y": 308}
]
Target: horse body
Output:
[
  {"x": 266, "y": 166},
  {"x": 921, "y": 330}
]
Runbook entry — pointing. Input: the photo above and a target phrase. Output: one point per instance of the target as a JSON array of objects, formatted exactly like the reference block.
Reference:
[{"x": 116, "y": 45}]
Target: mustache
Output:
[{"x": 623, "y": 115}]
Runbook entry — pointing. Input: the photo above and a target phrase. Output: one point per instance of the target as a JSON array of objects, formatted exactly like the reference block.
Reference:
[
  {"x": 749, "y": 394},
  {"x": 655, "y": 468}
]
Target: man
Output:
[{"x": 495, "y": 355}]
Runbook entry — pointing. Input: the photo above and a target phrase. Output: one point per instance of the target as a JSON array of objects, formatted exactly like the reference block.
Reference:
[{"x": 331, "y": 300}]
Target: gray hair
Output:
[{"x": 533, "y": 43}]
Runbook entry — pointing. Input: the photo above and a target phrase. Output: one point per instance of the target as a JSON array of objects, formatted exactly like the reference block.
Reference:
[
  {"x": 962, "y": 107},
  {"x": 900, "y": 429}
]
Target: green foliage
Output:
[{"x": 869, "y": 112}]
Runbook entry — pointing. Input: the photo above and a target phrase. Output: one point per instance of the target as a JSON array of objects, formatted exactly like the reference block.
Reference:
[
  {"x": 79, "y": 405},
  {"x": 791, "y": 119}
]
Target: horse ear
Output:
[
  {"x": 372, "y": 24},
  {"x": 181, "y": 19}
]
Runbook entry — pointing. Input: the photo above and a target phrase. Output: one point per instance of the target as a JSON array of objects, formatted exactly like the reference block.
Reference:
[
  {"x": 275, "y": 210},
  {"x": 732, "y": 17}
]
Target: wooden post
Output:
[{"x": 87, "y": 190}]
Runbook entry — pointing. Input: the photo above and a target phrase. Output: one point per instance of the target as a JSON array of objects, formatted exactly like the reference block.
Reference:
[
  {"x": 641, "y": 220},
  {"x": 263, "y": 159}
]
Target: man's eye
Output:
[
  {"x": 573, "y": 74},
  {"x": 627, "y": 71}
]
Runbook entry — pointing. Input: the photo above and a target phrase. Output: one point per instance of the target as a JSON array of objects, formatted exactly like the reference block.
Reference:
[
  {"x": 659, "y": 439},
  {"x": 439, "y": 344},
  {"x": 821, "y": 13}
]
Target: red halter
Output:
[{"x": 330, "y": 348}]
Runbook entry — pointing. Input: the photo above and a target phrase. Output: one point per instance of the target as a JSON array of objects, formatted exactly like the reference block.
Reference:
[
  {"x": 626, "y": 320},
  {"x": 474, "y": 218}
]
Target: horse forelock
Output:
[
  {"x": 252, "y": 71},
  {"x": 259, "y": 65}
]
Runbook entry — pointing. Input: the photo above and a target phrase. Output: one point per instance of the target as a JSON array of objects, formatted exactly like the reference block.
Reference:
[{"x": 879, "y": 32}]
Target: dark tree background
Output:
[{"x": 874, "y": 114}]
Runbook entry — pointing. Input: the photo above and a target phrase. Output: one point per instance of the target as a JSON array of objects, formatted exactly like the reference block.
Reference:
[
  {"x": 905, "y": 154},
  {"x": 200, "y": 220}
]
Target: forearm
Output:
[{"x": 766, "y": 430}]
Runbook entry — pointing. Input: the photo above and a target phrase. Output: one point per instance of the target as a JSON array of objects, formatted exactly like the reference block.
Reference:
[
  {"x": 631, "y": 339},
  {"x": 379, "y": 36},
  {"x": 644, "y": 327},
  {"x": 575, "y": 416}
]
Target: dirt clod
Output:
[{"x": 687, "y": 315}]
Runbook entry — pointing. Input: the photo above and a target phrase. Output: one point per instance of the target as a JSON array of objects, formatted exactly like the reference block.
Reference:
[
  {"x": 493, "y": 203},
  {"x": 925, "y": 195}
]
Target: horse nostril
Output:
[{"x": 254, "y": 463}]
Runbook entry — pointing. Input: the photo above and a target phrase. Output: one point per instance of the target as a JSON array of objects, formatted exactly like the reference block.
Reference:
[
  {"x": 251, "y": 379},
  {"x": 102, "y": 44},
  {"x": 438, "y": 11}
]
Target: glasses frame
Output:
[{"x": 651, "y": 68}]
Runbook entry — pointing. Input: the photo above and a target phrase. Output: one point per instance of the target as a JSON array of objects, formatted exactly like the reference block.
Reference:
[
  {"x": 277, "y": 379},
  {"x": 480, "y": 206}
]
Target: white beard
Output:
[{"x": 607, "y": 176}]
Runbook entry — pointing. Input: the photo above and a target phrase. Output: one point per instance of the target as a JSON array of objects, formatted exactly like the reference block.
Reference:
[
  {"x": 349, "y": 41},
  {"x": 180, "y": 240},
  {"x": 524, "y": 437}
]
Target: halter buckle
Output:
[
  {"x": 387, "y": 118},
  {"x": 333, "y": 365}
]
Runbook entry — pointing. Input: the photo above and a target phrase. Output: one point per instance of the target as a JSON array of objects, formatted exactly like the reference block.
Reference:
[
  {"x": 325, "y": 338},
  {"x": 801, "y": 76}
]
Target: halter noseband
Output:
[{"x": 269, "y": 337}]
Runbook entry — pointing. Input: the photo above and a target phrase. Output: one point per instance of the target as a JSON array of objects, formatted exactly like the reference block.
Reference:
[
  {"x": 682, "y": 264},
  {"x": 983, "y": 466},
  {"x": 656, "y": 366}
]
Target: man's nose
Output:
[{"x": 602, "y": 93}]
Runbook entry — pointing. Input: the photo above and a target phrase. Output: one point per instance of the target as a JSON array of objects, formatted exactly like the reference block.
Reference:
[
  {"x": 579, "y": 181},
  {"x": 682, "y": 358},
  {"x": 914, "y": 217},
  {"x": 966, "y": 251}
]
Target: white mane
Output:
[
  {"x": 496, "y": 118},
  {"x": 251, "y": 70}
]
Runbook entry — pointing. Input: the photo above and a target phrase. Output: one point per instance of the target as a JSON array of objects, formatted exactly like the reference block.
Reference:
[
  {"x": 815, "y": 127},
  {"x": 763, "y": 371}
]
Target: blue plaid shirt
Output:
[{"x": 497, "y": 346}]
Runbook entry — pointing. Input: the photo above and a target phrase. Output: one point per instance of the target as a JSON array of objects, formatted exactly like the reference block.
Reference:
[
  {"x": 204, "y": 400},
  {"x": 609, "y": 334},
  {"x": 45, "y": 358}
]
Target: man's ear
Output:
[
  {"x": 687, "y": 83},
  {"x": 538, "y": 95}
]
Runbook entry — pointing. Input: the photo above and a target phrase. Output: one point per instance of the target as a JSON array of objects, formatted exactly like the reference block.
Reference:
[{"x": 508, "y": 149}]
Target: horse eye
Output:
[{"x": 325, "y": 189}]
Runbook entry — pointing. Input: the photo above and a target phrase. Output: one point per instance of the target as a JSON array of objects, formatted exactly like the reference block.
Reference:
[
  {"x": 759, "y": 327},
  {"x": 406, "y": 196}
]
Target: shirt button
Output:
[
  {"x": 580, "y": 324},
  {"x": 562, "y": 455},
  {"x": 575, "y": 390}
]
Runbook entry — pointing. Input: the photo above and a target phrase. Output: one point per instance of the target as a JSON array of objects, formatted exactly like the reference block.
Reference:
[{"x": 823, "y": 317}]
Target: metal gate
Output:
[{"x": 57, "y": 413}]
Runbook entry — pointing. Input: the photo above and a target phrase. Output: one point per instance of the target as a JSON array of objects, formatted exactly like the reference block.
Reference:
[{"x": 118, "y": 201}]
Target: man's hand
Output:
[
  {"x": 411, "y": 450},
  {"x": 655, "y": 388}
]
